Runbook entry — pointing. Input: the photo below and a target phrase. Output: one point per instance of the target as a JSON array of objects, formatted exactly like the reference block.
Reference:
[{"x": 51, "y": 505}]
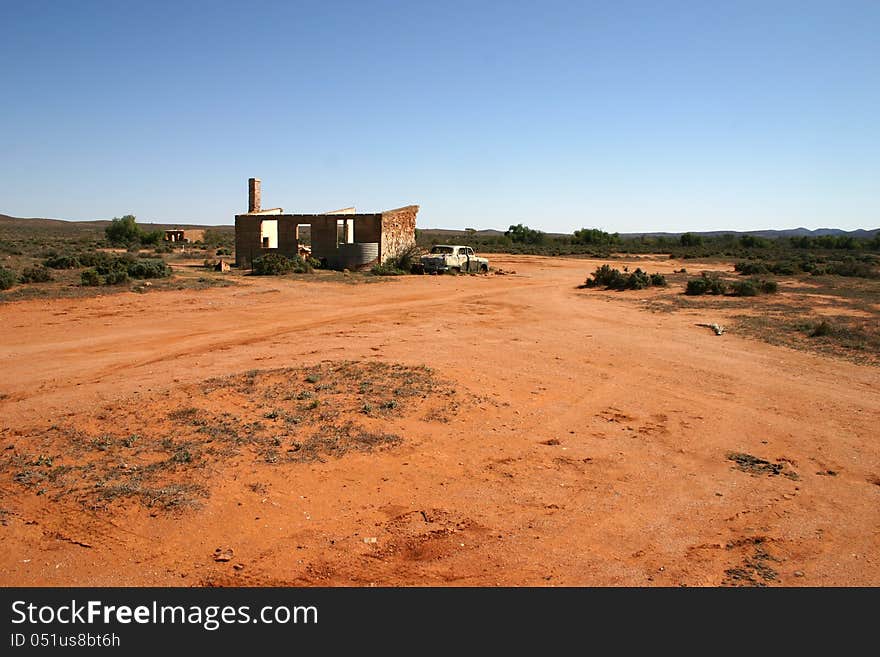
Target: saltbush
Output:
[
  {"x": 706, "y": 284},
  {"x": 7, "y": 278},
  {"x": 62, "y": 261},
  {"x": 821, "y": 329},
  {"x": 751, "y": 268},
  {"x": 36, "y": 274},
  {"x": 613, "y": 279},
  {"x": 147, "y": 268},
  {"x": 275, "y": 264},
  {"x": 116, "y": 277}
]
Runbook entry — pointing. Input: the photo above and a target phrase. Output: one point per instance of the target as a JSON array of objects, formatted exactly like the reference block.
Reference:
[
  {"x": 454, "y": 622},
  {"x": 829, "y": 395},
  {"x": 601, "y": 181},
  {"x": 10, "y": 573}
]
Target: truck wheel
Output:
[
  {"x": 455, "y": 270},
  {"x": 484, "y": 269}
]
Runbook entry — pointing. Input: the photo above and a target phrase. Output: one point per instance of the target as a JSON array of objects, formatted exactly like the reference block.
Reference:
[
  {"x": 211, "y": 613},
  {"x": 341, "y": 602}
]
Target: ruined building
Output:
[
  {"x": 185, "y": 236},
  {"x": 342, "y": 239}
]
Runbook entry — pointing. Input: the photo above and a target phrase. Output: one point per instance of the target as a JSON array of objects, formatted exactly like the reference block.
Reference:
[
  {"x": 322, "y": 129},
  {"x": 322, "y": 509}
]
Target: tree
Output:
[
  {"x": 753, "y": 241},
  {"x": 689, "y": 239},
  {"x": 123, "y": 230},
  {"x": 524, "y": 235},
  {"x": 595, "y": 236}
]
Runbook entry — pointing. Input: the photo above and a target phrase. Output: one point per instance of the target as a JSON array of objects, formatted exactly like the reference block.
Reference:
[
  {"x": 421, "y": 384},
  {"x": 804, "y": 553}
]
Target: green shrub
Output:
[
  {"x": 696, "y": 286},
  {"x": 386, "y": 270},
  {"x": 275, "y": 264},
  {"x": 301, "y": 266},
  {"x": 638, "y": 280},
  {"x": 744, "y": 289},
  {"x": 90, "y": 277},
  {"x": 104, "y": 263},
  {"x": 785, "y": 268},
  {"x": 821, "y": 329},
  {"x": 154, "y": 237},
  {"x": 116, "y": 277},
  {"x": 407, "y": 258},
  {"x": 62, "y": 262},
  {"x": 605, "y": 276},
  {"x": 769, "y": 287},
  {"x": 7, "y": 278},
  {"x": 397, "y": 265},
  {"x": 852, "y": 267},
  {"x": 148, "y": 268},
  {"x": 613, "y": 279},
  {"x": 271, "y": 264},
  {"x": 751, "y": 268},
  {"x": 122, "y": 267},
  {"x": 36, "y": 274},
  {"x": 92, "y": 258},
  {"x": 705, "y": 284},
  {"x": 223, "y": 252}
]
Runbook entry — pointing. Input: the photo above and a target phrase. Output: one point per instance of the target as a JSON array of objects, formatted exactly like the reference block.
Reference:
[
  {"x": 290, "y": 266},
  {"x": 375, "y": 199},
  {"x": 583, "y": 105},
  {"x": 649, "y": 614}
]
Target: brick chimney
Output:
[{"x": 253, "y": 195}]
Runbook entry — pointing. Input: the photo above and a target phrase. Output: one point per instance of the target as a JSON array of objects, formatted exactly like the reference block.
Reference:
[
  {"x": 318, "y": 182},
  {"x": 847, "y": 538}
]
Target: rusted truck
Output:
[{"x": 455, "y": 259}]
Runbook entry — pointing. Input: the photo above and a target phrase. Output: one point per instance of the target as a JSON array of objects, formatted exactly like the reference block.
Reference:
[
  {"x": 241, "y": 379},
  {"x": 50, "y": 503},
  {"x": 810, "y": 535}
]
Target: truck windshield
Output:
[{"x": 441, "y": 249}]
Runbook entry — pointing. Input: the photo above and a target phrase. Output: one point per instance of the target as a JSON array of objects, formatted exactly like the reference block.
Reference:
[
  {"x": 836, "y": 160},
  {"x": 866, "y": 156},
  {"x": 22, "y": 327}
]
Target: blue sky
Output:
[{"x": 628, "y": 116}]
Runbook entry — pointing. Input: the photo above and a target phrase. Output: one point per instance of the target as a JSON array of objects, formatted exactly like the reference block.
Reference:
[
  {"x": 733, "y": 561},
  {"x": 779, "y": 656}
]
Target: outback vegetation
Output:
[
  {"x": 400, "y": 264},
  {"x": 275, "y": 264},
  {"x": 598, "y": 243},
  {"x": 277, "y": 418},
  {"x": 613, "y": 279},
  {"x": 45, "y": 258}
]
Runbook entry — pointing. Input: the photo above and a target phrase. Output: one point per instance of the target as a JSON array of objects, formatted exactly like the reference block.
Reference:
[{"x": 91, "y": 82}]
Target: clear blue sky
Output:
[{"x": 628, "y": 116}]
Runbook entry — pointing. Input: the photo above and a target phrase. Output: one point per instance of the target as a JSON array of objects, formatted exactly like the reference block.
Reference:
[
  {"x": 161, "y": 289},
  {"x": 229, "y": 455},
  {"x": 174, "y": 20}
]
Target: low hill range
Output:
[{"x": 73, "y": 227}]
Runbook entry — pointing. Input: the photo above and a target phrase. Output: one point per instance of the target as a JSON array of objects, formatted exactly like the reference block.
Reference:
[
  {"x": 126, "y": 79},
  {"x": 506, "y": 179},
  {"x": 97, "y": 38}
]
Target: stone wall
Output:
[
  {"x": 194, "y": 235},
  {"x": 398, "y": 231}
]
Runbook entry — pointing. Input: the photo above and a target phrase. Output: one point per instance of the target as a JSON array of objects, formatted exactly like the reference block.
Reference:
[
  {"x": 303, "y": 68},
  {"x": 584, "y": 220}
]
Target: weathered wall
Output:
[
  {"x": 287, "y": 242},
  {"x": 368, "y": 228},
  {"x": 398, "y": 231},
  {"x": 323, "y": 236},
  {"x": 247, "y": 239}
]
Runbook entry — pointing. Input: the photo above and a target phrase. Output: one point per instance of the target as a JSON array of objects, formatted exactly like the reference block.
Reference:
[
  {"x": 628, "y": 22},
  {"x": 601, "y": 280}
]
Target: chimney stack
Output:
[{"x": 253, "y": 195}]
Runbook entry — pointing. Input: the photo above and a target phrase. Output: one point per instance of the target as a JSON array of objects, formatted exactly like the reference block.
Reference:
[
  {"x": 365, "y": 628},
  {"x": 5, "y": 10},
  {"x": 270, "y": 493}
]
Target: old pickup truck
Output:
[{"x": 453, "y": 259}]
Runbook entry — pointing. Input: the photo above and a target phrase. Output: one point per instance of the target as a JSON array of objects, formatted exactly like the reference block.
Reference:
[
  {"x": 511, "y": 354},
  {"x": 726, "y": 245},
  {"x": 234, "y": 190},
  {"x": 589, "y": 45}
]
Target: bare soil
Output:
[{"x": 472, "y": 430}]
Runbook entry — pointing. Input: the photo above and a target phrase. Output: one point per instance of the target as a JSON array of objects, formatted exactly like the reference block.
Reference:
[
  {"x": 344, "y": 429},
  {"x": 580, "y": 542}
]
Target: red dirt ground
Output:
[{"x": 588, "y": 443}]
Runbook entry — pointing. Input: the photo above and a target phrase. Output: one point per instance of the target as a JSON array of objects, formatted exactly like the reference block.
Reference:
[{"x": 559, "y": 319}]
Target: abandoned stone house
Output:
[
  {"x": 341, "y": 239},
  {"x": 186, "y": 236}
]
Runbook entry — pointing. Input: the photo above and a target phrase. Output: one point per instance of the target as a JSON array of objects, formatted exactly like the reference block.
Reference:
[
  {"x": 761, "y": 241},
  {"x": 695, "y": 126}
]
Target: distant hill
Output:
[
  {"x": 62, "y": 226},
  {"x": 791, "y": 232},
  {"x": 860, "y": 233},
  {"x": 82, "y": 228}
]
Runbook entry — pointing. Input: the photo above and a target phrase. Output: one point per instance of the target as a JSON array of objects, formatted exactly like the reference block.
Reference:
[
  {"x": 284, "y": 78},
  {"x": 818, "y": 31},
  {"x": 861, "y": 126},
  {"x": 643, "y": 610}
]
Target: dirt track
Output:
[{"x": 638, "y": 490}]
